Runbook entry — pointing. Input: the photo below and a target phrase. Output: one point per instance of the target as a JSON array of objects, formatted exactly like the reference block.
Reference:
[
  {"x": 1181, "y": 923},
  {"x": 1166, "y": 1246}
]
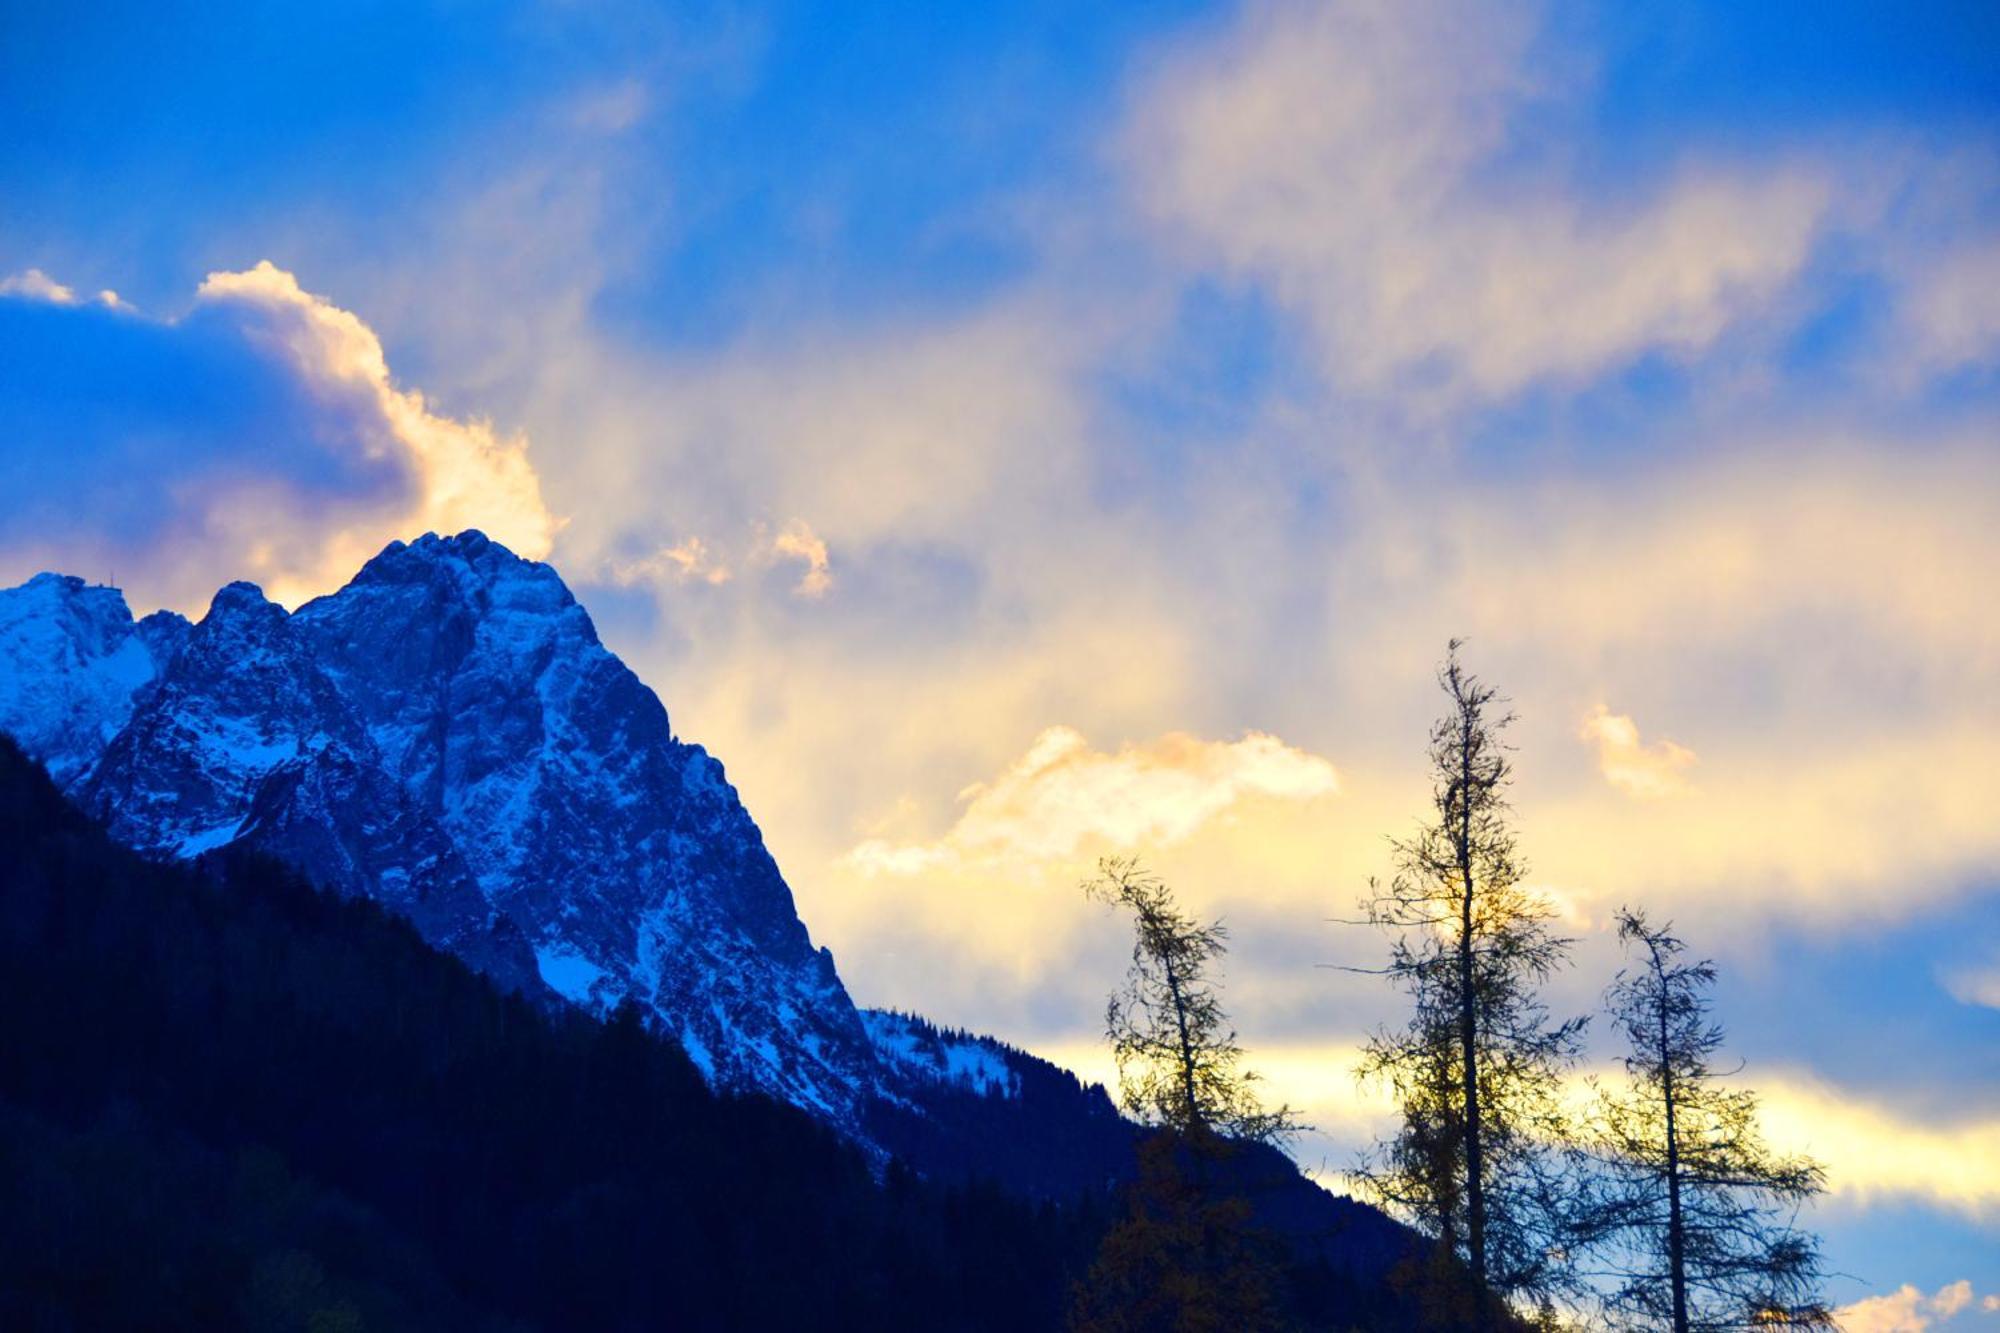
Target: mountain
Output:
[
  {"x": 446, "y": 734},
  {"x": 447, "y": 737},
  {"x": 230, "y": 1101},
  {"x": 72, "y": 663}
]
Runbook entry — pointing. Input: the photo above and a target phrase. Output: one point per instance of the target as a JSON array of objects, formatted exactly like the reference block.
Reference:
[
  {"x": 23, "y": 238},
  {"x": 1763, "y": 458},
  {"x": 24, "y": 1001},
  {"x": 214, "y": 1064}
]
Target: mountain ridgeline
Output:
[
  {"x": 445, "y": 740},
  {"x": 229, "y": 1100}
]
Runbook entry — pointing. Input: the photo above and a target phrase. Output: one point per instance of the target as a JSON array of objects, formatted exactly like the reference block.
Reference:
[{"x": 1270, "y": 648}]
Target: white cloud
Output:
[
  {"x": 798, "y": 542},
  {"x": 1639, "y": 770},
  {"x": 1062, "y": 795},
  {"x": 1951, "y": 306},
  {"x": 467, "y": 476},
  {"x": 1908, "y": 1310},
  {"x": 1816, "y": 604},
  {"x": 35, "y": 285},
  {"x": 1342, "y": 155},
  {"x": 1870, "y": 1152},
  {"x": 611, "y": 109}
]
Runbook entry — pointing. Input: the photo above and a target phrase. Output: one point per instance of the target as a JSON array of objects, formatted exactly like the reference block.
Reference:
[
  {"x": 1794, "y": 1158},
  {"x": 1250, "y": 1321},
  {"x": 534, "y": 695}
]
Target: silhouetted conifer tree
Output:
[
  {"x": 1187, "y": 1257},
  {"x": 1694, "y": 1219},
  {"x": 1478, "y": 1159},
  {"x": 1179, "y": 1065}
]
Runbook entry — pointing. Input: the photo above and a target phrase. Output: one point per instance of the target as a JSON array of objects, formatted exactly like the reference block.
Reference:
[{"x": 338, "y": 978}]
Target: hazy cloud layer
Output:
[{"x": 1344, "y": 155}]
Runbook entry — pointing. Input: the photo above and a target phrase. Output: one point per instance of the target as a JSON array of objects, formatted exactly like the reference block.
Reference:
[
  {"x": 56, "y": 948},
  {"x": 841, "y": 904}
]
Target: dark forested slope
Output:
[{"x": 227, "y": 1100}]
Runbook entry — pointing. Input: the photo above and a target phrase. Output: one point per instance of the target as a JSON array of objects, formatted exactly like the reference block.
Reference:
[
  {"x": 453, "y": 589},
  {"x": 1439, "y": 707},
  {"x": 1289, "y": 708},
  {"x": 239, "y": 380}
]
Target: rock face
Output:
[
  {"x": 71, "y": 665},
  {"x": 622, "y": 853},
  {"x": 446, "y": 734}
]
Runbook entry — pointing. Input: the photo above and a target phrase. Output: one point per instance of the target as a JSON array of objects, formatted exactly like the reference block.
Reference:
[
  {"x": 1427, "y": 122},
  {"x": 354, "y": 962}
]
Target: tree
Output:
[
  {"x": 1477, "y": 1071},
  {"x": 1187, "y": 1257},
  {"x": 1179, "y": 1065},
  {"x": 1696, "y": 1216}
]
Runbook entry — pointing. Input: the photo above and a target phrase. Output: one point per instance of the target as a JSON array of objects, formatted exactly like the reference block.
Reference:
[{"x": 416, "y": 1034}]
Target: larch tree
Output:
[
  {"x": 1179, "y": 1064},
  {"x": 1694, "y": 1221},
  {"x": 1480, "y": 1158},
  {"x": 1187, "y": 1257}
]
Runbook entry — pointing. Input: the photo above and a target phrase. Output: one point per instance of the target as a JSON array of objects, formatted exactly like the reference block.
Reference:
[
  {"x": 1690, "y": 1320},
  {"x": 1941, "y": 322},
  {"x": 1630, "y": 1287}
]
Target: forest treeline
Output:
[
  {"x": 229, "y": 1101},
  {"x": 1656, "y": 1205}
]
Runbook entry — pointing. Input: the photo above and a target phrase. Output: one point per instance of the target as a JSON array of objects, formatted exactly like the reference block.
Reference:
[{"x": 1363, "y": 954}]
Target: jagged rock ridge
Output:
[{"x": 447, "y": 734}]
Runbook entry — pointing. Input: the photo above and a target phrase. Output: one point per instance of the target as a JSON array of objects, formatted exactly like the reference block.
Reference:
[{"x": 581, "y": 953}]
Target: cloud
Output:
[
  {"x": 689, "y": 561},
  {"x": 466, "y": 475},
  {"x": 260, "y": 435},
  {"x": 34, "y": 285},
  {"x": 1908, "y": 1310},
  {"x": 1645, "y": 772},
  {"x": 1951, "y": 306},
  {"x": 612, "y": 109},
  {"x": 1372, "y": 166},
  {"x": 1062, "y": 795},
  {"x": 1815, "y": 601},
  {"x": 1871, "y": 1153},
  {"x": 797, "y": 542},
  {"x": 1975, "y": 985}
]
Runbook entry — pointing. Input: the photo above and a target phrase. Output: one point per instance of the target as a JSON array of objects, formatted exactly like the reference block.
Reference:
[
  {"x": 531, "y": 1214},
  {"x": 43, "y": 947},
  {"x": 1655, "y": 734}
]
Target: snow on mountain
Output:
[
  {"x": 448, "y": 735},
  {"x": 921, "y": 1052},
  {"x": 71, "y": 663},
  {"x": 623, "y": 853}
]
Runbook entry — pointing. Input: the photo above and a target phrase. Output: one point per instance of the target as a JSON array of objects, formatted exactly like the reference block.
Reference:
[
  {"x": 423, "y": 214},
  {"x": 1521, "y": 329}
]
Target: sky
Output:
[{"x": 1011, "y": 435}]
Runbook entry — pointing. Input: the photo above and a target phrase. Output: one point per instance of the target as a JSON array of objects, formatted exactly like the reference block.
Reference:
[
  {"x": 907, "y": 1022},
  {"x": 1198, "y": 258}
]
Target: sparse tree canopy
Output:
[
  {"x": 1477, "y": 1070},
  {"x": 1694, "y": 1223},
  {"x": 1179, "y": 1065},
  {"x": 1188, "y": 1257}
]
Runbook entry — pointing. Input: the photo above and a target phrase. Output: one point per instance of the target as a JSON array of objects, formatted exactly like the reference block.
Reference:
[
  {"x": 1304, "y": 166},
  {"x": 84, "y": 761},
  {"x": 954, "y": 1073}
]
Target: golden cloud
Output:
[
  {"x": 1063, "y": 795},
  {"x": 467, "y": 476},
  {"x": 798, "y": 542},
  {"x": 1908, "y": 1310},
  {"x": 1638, "y": 770}
]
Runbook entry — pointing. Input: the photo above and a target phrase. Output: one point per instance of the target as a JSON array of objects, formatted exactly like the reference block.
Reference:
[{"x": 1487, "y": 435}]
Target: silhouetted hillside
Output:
[{"x": 230, "y": 1101}]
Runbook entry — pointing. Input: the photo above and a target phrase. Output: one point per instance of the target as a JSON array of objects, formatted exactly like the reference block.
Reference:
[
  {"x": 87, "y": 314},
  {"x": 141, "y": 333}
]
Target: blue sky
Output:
[{"x": 1009, "y": 434}]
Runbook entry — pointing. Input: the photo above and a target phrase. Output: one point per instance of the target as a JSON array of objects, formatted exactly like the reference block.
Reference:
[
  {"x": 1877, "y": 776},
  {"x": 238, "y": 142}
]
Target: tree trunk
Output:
[
  {"x": 1187, "y": 1046},
  {"x": 1676, "y": 1233},
  {"x": 1468, "y": 1030}
]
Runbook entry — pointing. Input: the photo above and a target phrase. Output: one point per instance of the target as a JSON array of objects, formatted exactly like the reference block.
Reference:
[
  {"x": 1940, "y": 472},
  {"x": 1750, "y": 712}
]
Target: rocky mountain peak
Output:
[
  {"x": 447, "y": 733},
  {"x": 71, "y": 663}
]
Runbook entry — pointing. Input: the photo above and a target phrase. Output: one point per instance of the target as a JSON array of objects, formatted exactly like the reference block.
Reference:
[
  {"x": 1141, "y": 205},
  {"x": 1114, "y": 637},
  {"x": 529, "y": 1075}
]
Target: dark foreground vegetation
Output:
[{"x": 230, "y": 1101}]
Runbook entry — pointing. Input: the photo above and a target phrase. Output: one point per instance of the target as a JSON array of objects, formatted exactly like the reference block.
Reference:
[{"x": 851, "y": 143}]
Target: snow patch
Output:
[
  {"x": 915, "y": 1048},
  {"x": 568, "y": 973},
  {"x": 207, "y": 840}
]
